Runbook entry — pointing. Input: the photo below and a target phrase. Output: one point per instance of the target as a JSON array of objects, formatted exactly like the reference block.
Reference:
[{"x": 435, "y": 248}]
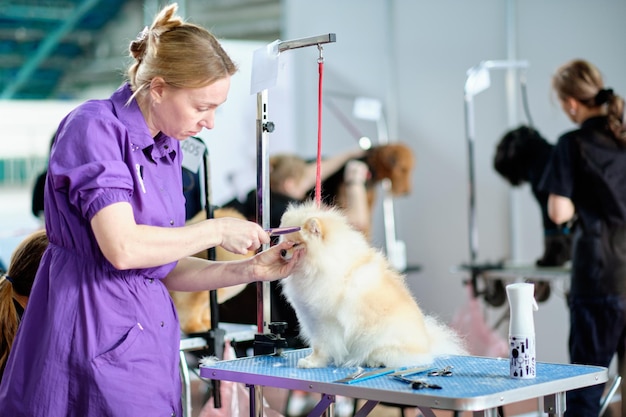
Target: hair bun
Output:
[{"x": 138, "y": 46}]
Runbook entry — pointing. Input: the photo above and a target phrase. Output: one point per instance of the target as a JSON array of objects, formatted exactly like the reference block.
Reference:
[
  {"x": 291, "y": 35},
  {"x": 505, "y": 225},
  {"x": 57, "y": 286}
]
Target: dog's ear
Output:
[{"x": 313, "y": 226}]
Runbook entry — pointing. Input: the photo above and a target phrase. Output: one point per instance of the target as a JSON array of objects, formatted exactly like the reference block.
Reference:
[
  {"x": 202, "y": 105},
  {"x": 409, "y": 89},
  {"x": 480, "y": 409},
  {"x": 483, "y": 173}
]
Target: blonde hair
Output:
[
  {"x": 183, "y": 54},
  {"x": 21, "y": 275},
  {"x": 582, "y": 81},
  {"x": 283, "y": 167}
]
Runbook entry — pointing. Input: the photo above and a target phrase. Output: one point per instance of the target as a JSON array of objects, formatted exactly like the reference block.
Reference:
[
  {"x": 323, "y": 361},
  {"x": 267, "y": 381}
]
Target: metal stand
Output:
[
  {"x": 212, "y": 341},
  {"x": 477, "y": 81},
  {"x": 265, "y": 341}
]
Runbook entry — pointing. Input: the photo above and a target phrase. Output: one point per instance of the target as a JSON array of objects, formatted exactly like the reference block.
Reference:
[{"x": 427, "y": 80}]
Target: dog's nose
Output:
[{"x": 286, "y": 254}]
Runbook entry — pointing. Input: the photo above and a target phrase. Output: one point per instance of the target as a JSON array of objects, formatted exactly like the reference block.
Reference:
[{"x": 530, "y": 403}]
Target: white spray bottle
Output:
[{"x": 522, "y": 304}]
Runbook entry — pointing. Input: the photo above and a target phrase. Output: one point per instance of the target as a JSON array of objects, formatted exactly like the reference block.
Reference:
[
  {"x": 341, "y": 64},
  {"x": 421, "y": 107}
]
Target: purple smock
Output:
[{"x": 96, "y": 341}]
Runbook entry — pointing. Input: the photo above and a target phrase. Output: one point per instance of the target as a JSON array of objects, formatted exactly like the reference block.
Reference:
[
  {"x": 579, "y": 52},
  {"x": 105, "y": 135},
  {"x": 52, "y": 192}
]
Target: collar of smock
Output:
[
  {"x": 596, "y": 122},
  {"x": 141, "y": 139}
]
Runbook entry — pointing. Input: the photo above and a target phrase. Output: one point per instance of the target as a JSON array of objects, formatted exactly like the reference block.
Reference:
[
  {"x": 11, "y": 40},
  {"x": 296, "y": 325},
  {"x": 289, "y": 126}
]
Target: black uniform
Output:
[{"x": 588, "y": 166}]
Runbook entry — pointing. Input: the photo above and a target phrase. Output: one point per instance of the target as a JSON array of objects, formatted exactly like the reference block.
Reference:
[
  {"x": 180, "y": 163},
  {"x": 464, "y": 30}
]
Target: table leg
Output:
[
  {"x": 554, "y": 404},
  {"x": 491, "y": 412},
  {"x": 256, "y": 400},
  {"x": 184, "y": 371},
  {"x": 325, "y": 407},
  {"x": 426, "y": 412},
  {"x": 366, "y": 408}
]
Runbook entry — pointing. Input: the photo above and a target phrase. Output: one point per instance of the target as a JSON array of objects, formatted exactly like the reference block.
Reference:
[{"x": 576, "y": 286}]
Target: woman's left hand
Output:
[{"x": 270, "y": 264}]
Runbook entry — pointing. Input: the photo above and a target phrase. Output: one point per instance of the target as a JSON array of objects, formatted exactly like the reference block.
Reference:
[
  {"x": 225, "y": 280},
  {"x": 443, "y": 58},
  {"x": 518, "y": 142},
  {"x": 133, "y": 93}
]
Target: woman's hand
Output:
[
  {"x": 240, "y": 236},
  {"x": 270, "y": 265},
  {"x": 560, "y": 209}
]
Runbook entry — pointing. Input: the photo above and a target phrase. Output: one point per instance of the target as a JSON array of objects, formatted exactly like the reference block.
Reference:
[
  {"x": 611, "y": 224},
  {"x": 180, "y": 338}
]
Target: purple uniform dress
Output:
[{"x": 96, "y": 341}]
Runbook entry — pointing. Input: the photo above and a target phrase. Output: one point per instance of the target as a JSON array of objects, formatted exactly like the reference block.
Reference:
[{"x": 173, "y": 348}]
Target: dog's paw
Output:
[
  {"x": 311, "y": 362},
  {"x": 209, "y": 360}
]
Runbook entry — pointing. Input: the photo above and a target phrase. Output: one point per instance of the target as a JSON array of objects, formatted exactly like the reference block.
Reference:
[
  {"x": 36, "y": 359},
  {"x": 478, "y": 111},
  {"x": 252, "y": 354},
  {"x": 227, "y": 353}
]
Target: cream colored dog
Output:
[{"x": 353, "y": 308}]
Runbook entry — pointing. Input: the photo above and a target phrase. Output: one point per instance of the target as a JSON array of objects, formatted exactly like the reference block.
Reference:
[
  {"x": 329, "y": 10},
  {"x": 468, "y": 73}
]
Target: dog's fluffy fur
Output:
[
  {"x": 193, "y": 308},
  {"x": 353, "y": 308}
]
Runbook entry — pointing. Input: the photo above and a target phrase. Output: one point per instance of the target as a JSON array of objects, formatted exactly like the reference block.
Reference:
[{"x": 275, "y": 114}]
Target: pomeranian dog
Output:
[{"x": 353, "y": 308}]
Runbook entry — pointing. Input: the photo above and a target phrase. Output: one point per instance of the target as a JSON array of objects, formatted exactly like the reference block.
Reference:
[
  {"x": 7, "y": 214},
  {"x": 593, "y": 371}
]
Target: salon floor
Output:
[{"x": 301, "y": 403}]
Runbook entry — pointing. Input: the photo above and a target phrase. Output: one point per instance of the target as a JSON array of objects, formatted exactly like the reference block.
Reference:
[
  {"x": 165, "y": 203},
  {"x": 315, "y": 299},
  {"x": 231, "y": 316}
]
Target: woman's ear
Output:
[
  {"x": 157, "y": 86},
  {"x": 573, "y": 105}
]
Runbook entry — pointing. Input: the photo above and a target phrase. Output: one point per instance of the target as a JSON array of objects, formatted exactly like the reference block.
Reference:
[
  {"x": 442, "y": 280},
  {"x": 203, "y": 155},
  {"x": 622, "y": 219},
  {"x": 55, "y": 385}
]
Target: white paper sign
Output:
[
  {"x": 264, "y": 68},
  {"x": 192, "y": 149}
]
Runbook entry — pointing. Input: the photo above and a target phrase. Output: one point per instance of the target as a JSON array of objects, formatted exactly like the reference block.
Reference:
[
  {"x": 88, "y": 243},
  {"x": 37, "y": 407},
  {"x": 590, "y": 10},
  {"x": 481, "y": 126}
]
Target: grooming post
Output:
[
  {"x": 264, "y": 74},
  {"x": 366, "y": 108},
  {"x": 477, "y": 81}
]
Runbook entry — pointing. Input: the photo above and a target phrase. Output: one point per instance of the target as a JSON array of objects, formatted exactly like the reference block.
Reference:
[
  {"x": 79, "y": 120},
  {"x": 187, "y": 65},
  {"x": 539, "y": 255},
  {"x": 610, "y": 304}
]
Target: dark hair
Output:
[
  {"x": 516, "y": 153},
  {"x": 582, "y": 81},
  {"x": 183, "y": 54}
]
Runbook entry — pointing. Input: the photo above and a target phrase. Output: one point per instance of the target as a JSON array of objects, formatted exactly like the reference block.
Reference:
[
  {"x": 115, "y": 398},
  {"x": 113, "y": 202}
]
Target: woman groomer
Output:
[
  {"x": 100, "y": 336},
  {"x": 587, "y": 176}
]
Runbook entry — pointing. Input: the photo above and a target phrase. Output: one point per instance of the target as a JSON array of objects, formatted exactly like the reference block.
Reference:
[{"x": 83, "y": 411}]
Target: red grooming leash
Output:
[{"x": 318, "y": 174}]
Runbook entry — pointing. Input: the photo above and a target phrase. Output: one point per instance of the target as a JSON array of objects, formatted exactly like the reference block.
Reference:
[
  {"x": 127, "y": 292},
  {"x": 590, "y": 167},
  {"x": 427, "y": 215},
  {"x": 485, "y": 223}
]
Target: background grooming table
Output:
[
  {"x": 530, "y": 272},
  {"x": 478, "y": 384}
]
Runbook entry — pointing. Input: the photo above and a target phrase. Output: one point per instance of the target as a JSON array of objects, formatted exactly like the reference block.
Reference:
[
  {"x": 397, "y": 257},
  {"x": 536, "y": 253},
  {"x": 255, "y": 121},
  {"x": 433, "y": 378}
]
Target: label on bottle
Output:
[{"x": 522, "y": 356}]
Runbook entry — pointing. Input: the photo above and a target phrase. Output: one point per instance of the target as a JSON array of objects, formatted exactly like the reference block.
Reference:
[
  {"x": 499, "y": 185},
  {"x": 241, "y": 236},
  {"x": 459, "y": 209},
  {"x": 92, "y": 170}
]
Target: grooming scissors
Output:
[
  {"x": 445, "y": 371},
  {"x": 417, "y": 383}
]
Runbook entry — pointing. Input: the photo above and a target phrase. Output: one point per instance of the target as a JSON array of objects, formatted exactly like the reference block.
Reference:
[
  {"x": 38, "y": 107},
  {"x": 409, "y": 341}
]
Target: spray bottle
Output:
[{"x": 522, "y": 304}]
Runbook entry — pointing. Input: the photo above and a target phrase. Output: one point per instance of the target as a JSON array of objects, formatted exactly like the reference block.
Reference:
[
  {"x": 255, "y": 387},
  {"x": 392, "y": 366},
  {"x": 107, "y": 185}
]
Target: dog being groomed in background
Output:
[
  {"x": 521, "y": 157},
  {"x": 393, "y": 161}
]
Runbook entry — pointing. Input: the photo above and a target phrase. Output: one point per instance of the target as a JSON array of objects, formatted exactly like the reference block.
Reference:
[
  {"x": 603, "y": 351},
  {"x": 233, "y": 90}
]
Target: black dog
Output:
[{"x": 521, "y": 156}]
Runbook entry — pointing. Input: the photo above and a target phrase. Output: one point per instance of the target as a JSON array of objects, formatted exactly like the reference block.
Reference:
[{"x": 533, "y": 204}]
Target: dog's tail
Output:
[{"x": 444, "y": 340}]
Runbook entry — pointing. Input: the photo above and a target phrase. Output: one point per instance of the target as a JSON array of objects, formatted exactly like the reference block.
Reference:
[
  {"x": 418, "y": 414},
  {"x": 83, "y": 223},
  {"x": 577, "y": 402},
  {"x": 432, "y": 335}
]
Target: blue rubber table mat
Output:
[{"x": 477, "y": 383}]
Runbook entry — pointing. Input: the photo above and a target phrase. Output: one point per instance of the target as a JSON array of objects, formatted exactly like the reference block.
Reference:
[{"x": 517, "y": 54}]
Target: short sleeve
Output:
[
  {"x": 558, "y": 177},
  {"x": 87, "y": 160}
]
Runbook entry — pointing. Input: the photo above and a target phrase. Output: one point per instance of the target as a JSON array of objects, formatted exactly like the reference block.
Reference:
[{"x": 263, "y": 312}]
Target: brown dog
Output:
[
  {"x": 193, "y": 309},
  {"x": 393, "y": 161}
]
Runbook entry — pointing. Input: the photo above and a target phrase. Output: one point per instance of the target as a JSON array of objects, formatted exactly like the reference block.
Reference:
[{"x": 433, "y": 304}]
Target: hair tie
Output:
[
  {"x": 143, "y": 34},
  {"x": 603, "y": 96},
  {"x": 8, "y": 278}
]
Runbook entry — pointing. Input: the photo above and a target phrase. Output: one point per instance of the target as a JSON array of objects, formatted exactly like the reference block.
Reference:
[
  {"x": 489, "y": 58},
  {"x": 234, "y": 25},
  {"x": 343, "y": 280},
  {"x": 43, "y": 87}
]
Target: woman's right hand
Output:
[{"x": 240, "y": 236}]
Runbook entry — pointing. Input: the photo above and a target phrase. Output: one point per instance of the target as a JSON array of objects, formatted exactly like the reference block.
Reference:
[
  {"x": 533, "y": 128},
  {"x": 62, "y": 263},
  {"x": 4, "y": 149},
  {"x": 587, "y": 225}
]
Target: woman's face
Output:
[{"x": 183, "y": 112}]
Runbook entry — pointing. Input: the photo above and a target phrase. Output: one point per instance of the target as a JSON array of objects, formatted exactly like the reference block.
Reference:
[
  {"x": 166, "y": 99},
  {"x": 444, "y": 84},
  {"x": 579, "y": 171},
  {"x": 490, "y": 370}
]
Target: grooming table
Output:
[
  {"x": 516, "y": 272},
  {"x": 478, "y": 384}
]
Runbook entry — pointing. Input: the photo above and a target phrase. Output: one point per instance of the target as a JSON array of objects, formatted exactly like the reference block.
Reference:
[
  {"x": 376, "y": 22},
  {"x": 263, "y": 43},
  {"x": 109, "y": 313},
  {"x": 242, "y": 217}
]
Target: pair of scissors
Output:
[
  {"x": 445, "y": 371},
  {"x": 417, "y": 383}
]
